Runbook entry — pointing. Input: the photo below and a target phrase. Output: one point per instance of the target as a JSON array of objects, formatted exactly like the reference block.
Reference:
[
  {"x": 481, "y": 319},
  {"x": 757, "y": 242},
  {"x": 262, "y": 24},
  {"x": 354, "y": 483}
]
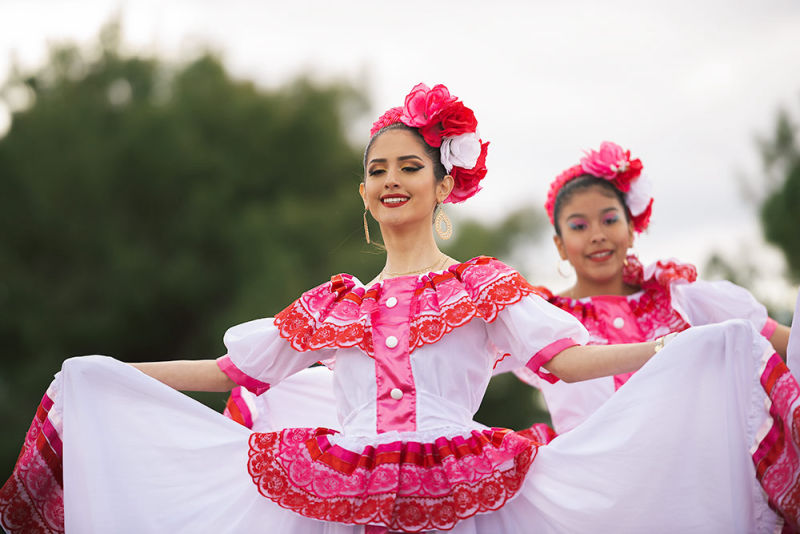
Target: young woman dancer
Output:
[
  {"x": 414, "y": 349},
  {"x": 596, "y": 208}
]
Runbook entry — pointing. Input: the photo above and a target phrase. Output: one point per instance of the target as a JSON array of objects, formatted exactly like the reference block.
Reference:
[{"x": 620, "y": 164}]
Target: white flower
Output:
[
  {"x": 638, "y": 196},
  {"x": 460, "y": 151}
]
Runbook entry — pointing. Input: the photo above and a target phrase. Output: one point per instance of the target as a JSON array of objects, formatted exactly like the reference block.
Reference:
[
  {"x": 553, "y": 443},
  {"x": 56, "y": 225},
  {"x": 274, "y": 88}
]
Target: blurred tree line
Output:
[
  {"x": 148, "y": 206},
  {"x": 780, "y": 210},
  {"x": 776, "y": 193}
]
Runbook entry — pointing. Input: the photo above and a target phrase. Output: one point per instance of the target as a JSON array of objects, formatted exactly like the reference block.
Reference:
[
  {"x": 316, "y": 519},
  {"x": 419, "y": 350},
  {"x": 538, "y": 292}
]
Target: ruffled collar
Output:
[
  {"x": 657, "y": 277},
  {"x": 337, "y": 314}
]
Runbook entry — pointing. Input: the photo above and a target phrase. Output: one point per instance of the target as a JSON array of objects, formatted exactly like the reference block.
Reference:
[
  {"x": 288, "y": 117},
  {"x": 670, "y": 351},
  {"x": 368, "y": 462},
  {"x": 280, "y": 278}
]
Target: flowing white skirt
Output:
[{"x": 670, "y": 452}]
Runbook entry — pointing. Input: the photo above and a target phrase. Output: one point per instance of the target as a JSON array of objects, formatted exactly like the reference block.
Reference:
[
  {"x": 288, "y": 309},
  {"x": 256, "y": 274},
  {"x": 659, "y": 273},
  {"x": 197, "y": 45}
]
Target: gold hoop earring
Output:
[
  {"x": 442, "y": 224},
  {"x": 366, "y": 228},
  {"x": 630, "y": 252},
  {"x": 559, "y": 265}
]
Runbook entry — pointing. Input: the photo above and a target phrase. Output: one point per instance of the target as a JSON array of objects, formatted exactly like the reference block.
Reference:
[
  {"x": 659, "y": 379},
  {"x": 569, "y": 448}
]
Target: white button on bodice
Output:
[
  {"x": 618, "y": 322},
  {"x": 391, "y": 302},
  {"x": 396, "y": 394},
  {"x": 391, "y": 342}
]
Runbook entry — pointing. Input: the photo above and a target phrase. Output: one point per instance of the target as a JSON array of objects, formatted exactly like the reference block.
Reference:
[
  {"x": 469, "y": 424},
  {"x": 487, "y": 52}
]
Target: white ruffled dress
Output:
[
  {"x": 671, "y": 299},
  {"x": 412, "y": 357}
]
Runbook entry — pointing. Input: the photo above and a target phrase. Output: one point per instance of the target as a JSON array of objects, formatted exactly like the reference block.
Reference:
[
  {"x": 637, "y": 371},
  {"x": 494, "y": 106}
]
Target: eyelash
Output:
[
  {"x": 611, "y": 219},
  {"x": 577, "y": 226},
  {"x": 407, "y": 168}
]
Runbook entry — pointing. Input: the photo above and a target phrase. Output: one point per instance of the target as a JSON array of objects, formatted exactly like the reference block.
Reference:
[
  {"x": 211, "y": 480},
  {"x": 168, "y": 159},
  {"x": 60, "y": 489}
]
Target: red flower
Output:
[
  {"x": 623, "y": 179},
  {"x": 467, "y": 181},
  {"x": 457, "y": 119},
  {"x": 451, "y": 120}
]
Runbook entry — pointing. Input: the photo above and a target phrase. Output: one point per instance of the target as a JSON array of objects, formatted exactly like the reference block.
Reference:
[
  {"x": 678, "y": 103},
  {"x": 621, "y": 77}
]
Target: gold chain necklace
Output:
[{"x": 432, "y": 267}]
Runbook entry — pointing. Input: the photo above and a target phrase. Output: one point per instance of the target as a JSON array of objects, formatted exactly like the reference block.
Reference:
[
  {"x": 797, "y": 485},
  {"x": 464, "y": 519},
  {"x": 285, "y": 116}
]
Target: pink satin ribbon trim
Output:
[
  {"x": 547, "y": 354},
  {"x": 769, "y": 327},
  {"x": 234, "y": 373}
]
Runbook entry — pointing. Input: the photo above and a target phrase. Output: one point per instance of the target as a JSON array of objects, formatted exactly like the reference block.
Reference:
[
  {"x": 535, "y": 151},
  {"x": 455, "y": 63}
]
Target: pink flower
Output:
[
  {"x": 415, "y": 109},
  {"x": 423, "y": 103},
  {"x": 606, "y": 162}
]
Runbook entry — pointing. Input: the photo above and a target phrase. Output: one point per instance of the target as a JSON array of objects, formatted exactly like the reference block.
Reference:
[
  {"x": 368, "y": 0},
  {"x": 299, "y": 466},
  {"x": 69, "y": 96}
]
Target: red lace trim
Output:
[
  {"x": 663, "y": 273},
  {"x": 777, "y": 456},
  {"x": 652, "y": 309},
  {"x": 339, "y": 316},
  {"x": 405, "y": 486},
  {"x": 32, "y": 499},
  {"x": 492, "y": 299}
]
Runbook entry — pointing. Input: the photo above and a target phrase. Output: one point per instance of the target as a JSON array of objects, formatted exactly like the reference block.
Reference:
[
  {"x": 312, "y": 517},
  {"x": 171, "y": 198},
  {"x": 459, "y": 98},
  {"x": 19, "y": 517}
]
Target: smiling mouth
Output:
[
  {"x": 393, "y": 202},
  {"x": 603, "y": 255}
]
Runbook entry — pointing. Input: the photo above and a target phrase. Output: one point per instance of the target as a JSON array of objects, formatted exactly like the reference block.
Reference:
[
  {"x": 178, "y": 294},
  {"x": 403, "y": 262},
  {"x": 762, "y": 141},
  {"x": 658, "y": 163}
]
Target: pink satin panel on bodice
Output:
[
  {"x": 615, "y": 313},
  {"x": 393, "y": 364}
]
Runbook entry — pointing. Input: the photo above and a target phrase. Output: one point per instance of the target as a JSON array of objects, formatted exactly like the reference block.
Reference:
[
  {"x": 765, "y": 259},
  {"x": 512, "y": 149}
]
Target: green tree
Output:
[
  {"x": 147, "y": 206},
  {"x": 780, "y": 215}
]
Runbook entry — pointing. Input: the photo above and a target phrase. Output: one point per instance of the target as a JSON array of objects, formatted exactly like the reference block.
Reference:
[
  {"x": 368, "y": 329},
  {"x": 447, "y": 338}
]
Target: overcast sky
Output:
[{"x": 687, "y": 86}]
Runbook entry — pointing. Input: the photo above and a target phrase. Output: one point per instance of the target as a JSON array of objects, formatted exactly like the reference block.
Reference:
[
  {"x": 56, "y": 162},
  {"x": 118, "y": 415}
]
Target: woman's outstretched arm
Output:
[
  {"x": 578, "y": 363},
  {"x": 188, "y": 375}
]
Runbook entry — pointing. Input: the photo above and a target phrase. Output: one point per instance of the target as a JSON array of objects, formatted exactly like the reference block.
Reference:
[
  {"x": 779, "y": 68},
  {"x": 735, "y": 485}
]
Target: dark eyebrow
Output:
[{"x": 401, "y": 158}]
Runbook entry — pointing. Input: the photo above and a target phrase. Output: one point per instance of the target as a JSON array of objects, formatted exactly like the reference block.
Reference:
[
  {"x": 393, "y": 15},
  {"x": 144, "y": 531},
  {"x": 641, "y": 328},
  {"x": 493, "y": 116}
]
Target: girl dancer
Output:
[
  {"x": 596, "y": 207},
  {"x": 414, "y": 350}
]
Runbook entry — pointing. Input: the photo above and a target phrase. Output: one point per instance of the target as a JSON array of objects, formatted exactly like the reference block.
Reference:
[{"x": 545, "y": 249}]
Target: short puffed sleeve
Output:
[
  {"x": 533, "y": 331},
  {"x": 259, "y": 357},
  {"x": 701, "y": 303}
]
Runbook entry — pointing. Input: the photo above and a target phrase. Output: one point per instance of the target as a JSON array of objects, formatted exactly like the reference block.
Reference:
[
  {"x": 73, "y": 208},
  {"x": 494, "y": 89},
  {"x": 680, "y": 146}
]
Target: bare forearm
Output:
[
  {"x": 188, "y": 375},
  {"x": 780, "y": 340},
  {"x": 593, "y": 361}
]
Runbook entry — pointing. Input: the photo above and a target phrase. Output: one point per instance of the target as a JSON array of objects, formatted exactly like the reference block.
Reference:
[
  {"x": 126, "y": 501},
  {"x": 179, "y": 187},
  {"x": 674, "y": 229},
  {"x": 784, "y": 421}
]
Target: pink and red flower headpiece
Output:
[
  {"x": 446, "y": 123},
  {"x": 614, "y": 164}
]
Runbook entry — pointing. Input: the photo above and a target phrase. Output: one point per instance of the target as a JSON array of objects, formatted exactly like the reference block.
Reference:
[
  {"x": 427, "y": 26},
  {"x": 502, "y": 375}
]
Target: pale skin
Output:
[
  {"x": 401, "y": 192},
  {"x": 595, "y": 236}
]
